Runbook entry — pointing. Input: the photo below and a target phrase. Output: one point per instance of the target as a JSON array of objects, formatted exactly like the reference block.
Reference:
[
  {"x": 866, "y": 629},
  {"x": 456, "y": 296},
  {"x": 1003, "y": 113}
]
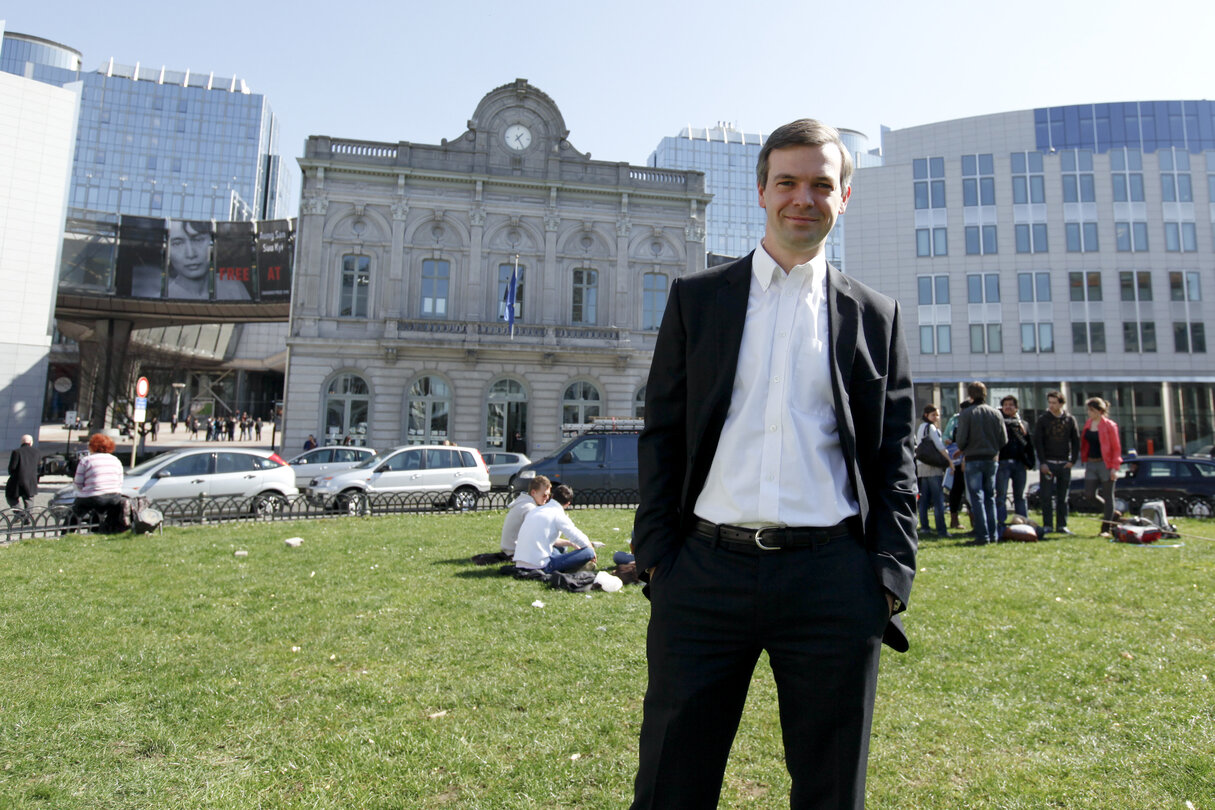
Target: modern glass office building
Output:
[
  {"x": 163, "y": 143},
  {"x": 727, "y": 156},
  {"x": 1066, "y": 248}
]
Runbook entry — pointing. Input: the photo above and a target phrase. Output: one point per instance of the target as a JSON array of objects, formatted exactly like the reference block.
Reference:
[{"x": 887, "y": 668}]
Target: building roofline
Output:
[{"x": 43, "y": 41}]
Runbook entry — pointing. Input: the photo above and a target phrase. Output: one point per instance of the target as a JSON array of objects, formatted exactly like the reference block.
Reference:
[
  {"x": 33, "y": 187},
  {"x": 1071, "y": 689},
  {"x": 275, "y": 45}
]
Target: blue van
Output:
[{"x": 603, "y": 459}]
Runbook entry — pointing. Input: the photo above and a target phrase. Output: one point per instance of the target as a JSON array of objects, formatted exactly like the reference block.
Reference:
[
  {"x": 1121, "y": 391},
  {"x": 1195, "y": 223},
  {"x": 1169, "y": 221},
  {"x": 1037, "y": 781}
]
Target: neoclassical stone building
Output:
[{"x": 404, "y": 256}]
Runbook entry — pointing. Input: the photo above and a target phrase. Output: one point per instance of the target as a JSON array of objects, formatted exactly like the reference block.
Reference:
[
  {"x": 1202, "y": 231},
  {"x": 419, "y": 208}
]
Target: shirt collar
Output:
[{"x": 765, "y": 268}]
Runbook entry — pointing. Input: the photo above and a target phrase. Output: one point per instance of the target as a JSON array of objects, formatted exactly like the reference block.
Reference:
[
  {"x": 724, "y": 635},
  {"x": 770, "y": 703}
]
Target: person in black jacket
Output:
[
  {"x": 1057, "y": 442},
  {"x": 22, "y": 483}
]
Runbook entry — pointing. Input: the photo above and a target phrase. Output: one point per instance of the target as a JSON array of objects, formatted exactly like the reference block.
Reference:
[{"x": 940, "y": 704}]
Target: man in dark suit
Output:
[
  {"x": 22, "y": 484},
  {"x": 777, "y": 497}
]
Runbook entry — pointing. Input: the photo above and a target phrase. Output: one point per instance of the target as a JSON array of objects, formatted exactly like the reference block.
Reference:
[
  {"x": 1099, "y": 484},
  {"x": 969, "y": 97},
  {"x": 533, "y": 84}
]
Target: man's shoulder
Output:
[
  {"x": 718, "y": 272},
  {"x": 865, "y": 295}
]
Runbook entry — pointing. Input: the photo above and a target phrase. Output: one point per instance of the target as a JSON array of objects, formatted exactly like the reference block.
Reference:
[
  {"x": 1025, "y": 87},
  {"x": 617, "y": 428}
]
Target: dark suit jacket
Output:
[
  {"x": 23, "y": 471},
  {"x": 688, "y": 396}
]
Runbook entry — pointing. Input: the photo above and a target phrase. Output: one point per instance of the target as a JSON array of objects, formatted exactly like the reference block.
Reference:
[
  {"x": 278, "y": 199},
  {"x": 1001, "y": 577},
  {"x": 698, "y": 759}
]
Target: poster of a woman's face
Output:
[{"x": 189, "y": 259}]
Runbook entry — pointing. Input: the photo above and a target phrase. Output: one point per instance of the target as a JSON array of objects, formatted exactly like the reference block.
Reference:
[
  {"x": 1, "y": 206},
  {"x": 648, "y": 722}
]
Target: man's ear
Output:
[{"x": 844, "y": 199}]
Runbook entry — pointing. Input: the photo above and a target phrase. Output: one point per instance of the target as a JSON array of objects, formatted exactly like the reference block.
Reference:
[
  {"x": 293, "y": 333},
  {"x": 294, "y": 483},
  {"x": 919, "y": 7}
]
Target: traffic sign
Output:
[{"x": 141, "y": 389}]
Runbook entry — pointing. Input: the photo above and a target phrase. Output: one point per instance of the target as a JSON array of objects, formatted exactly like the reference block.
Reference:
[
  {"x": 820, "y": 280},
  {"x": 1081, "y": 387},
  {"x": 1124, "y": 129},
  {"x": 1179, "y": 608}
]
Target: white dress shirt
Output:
[
  {"x": 779, "y": 459},
  {"x": 540, "y": 529}
]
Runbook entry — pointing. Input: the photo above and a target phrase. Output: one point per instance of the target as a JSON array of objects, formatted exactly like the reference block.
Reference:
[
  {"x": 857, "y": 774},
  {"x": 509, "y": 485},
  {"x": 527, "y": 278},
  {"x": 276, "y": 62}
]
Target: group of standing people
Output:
[
  {"x": 992, "y": 449},
  {"x": 221, "y": 428}
]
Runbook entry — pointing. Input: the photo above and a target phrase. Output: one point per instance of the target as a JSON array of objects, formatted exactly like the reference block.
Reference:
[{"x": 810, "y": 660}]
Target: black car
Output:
[{"x": 1185, "y": 484}]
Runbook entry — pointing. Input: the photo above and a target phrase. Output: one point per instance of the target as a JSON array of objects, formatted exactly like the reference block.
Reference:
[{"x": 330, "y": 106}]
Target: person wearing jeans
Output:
[
  {"x": 1057, "y": 443},
  {"x": 981, "y": 434},
  {"x": 540, "y": 537},
  {"x": 930, "y": 477},
  {"x": 1011, "y": 467}
]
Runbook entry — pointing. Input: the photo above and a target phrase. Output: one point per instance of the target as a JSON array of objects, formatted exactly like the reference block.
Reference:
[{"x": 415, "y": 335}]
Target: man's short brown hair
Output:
[
  {"x": 803, "y": 132},
  {"x": 977, "y": 392},
  {"x": 563, "y": 494},
  {"x": 538, "y": 483}
]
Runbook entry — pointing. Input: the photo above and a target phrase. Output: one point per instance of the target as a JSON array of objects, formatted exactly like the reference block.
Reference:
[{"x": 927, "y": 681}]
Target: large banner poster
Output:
[
  {"x": 139, "y": 265},
  {"x": 275, "y": 245},
  {"x": 234, "y": 277},
  {"x": 190, "y": 260}
]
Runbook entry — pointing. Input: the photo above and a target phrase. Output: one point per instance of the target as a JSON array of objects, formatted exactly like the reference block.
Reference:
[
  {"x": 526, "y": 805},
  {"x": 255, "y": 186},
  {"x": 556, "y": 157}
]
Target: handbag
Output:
[{"x": 926, "y": 452}]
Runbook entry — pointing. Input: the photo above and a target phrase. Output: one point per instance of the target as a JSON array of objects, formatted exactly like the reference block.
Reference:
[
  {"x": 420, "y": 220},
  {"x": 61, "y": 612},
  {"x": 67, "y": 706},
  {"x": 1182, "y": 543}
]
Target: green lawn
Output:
[{"x": 376, "y": 667}]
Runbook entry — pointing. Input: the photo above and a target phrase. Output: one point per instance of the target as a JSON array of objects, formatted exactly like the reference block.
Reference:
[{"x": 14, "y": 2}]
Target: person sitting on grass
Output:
[
  {"x": 538, "y": 493},
  {"x": 540, "y": 537}
]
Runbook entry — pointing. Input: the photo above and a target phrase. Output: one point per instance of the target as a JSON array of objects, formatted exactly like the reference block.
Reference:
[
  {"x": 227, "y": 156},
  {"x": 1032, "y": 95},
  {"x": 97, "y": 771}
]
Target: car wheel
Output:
[
  {"x": 353, "y": 502},
  {"x": 269, "y": 504},
  {"x": 464, "y": 498},
  {"x": 1199, "y": 508}
]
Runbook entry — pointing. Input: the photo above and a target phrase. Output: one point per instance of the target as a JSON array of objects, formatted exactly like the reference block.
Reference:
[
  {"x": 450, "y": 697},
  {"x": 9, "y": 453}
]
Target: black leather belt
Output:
[{"x": 767, "y": 538}]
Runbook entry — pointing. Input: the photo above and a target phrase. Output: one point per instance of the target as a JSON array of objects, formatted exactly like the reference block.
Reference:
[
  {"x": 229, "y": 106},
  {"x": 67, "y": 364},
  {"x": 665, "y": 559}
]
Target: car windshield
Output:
[
  {"x": 145, "y": 467},
  {"x": 370, "y": 462}
]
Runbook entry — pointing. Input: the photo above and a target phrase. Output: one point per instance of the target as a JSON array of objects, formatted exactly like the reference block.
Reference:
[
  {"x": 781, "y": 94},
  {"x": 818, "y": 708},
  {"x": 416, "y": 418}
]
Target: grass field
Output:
[{"x": 375, "y": 667}]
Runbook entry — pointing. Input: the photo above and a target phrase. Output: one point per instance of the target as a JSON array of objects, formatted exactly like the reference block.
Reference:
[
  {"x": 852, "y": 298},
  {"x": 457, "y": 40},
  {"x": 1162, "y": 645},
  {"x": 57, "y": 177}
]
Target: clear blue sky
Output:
[{"x": 627, "y": 73}]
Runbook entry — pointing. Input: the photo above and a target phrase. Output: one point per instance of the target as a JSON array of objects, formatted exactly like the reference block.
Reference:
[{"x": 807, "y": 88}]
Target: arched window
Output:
[
  {"x": 346, "y": 408},
  {"x": 653, "y": 299},
  {"x": 639, "y": 403},
  {"x": 436, "y": 274},
  {"x": 580, "y": 403},
  {"x": 506, "y": 417},
  {"x": 356, "y": 285},
  {"x": 429, "y": 411},
  {"x": 585, "y": 296}
]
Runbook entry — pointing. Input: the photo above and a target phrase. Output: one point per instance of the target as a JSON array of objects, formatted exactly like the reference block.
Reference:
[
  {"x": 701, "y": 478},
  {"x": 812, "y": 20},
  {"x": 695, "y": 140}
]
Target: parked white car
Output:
[
  {"x": 457, "y": 475},
  {"x": 503, "y": 467},
  {"x": 230, "y": 472},
  {"x": 326, "y": 461}
]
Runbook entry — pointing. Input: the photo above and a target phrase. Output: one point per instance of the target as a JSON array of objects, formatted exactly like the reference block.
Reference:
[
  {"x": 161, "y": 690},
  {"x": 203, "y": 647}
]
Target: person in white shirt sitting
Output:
[
  {"x": 538, "y": 492},
  {"x": 540, "y": 536}
]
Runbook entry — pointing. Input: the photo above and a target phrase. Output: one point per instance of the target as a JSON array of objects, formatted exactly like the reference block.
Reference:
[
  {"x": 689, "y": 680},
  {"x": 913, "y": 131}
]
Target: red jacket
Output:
[{"x": 1111, "y": 445}]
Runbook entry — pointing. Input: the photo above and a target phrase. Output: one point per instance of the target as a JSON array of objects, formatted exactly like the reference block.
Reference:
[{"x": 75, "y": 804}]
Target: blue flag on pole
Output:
[{"x": 512, "y": 289}]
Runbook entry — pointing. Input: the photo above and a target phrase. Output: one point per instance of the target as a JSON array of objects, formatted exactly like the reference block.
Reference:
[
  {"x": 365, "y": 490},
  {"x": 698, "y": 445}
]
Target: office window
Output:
[
  {"x": 1126, "y": 166},
  {"x": 931, "y": 242},
  {"x": 980, "y": 240},
  {"x": 504, "y": 274},
  {"x": 1139, "y": 337},
  {"x": 1028, "y": 181},
  {"x": 1033, "y": 287},
  {"x": 436, "y": 276},
  {"x": 1180, "y": 237},
  {"x": 978, "y": 180},
  {"x": 1081, "y": 237},
  {"x": 653, "y": 299},
  {"x": 1184, "y": 286},
  {"x": 986, "y": 338},
  {"x": 1085, "y": 286},
  {"x": 1077, "y": 172},
  {"x": 1130, "y": 237},
  {"x": 933, "y": 289},
  {"x": 356, "y": 284},
  {"x": 1031, "y": 238},
  {"x": 1135, "y": 285},
  {"x": 586, "y": 293},
  {"x": 1175, "y": 184},
  {"x": 929, "y": 182},
  {"x": 580, "y": 403},
  {"x": 936, "y": 339},
  {"x": 983, "y": 288},
  {"x": 1088, "y": 337},
  {"x": 1037, "y": 338}
]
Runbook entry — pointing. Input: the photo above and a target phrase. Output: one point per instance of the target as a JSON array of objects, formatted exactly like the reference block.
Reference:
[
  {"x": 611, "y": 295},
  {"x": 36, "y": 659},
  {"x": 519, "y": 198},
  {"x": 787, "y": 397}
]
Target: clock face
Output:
[{"x": 517, "y": 137}]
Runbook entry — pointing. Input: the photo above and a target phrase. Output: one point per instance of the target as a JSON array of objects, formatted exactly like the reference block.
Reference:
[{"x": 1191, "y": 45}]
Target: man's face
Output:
[
  {"x": 541, "y": 496},
  {"x": 189, "y": 251},
  {"x": 1009, "y": 408},
  {"x": 803, "y": 198},
  {"x": 1054, "y": 405}
]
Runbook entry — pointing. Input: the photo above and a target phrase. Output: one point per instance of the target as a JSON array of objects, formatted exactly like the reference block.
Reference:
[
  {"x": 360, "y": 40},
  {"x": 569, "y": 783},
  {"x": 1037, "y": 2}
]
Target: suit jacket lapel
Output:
[{"x": 843, "y": 321}]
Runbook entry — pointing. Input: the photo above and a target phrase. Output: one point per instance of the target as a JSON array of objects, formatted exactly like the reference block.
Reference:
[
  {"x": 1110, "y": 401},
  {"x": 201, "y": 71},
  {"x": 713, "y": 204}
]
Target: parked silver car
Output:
[
  {"x": 230, "y": 472},
  {"x": 503, "y": 467},
  {"x": 326, "y": 461},
  {"x": 456, "y": 474}
]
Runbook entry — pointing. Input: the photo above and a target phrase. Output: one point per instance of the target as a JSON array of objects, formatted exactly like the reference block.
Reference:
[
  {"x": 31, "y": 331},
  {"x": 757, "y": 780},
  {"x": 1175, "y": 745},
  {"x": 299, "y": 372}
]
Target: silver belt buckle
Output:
[{"x": 759, "y": 533}]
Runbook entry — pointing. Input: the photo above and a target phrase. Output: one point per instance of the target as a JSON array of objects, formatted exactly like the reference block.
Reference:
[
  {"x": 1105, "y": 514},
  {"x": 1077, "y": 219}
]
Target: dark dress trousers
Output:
[{"x": 819, "y": 612}]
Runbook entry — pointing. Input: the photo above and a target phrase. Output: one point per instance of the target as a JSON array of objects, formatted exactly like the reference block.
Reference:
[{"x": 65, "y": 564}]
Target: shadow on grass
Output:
[{"x": 482, "y": 572}]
